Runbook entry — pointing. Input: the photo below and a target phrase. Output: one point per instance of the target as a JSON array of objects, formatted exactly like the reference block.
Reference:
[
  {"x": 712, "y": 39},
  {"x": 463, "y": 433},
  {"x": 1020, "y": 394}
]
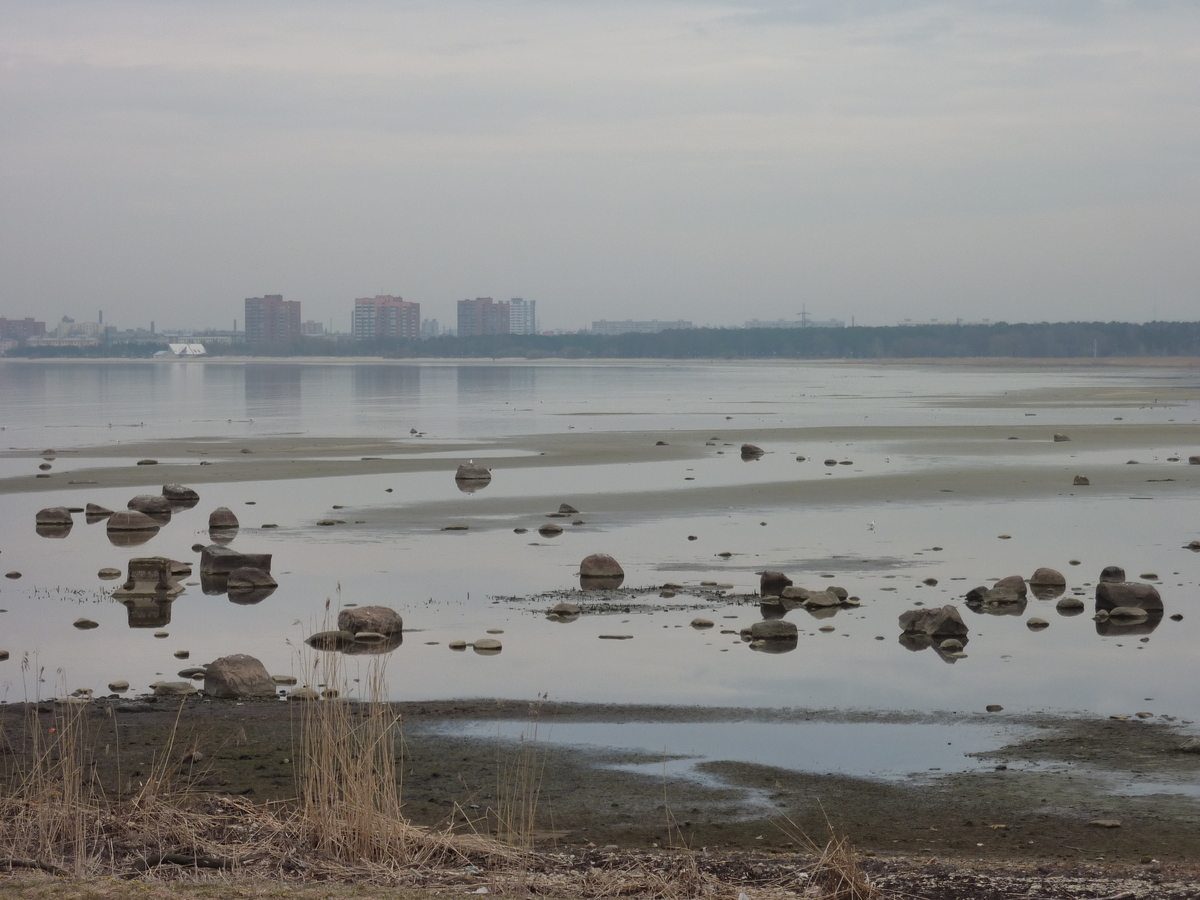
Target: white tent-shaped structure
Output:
[{"x": 187, "y": 350}]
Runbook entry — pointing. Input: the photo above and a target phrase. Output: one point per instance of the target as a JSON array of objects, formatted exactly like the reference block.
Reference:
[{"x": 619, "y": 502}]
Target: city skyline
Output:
[{"x": 906, "y": 159}]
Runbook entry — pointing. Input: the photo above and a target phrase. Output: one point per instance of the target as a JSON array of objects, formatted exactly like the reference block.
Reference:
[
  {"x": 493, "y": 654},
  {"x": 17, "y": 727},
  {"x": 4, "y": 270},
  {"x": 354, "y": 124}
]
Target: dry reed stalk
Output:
[
  {"x": 835, "y": 873},
  {"x": 519, "y": 777},
  {"x": 348, "y": 766}
]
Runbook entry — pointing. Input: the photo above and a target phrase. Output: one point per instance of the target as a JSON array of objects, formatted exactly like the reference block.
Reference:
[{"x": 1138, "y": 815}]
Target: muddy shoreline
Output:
[{"x": 1038, "y": 799}]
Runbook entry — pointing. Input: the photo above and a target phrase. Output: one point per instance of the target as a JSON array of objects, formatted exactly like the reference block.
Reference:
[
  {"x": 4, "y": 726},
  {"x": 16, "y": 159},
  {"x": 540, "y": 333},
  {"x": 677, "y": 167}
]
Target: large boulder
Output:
[
  {"x": 1047, "y": 578},
  {"x": 600, "y": 565},
  {"x": 221, "y": 560},
  {"x": 750, "y": 451},
  {"x": 1014, "y": 583},
  {"x": 156, "y": 506},
  {"x": 933, "y": 621},
  {"x": 822, "y": 599},
  {"x": 129, "y": 527},
  {"x": 371, "y": 619},
  {"x": 149, "y": 576},
  {"x": 472, "y": 472},
  {"x": 1112, "y": 574},
  {"x": 248, "y": 578},
  {"x": 131, "y": 520},
  {"x": 1129, "y": 594},
  {"x": 54, "y": 515},
  {"x": 793, "y": 592},
  {"x": 221, "y": 519},
  {"x": 248, "y": 585},
  {"x": 95, "y": 512},
  {"x": 772, "y": 630},
  {"x": 994, "y": 596},
  {"x": 771, "y": 584},
  {"x": 237, "y": 677},
  {"x": 180, "y": 496}
]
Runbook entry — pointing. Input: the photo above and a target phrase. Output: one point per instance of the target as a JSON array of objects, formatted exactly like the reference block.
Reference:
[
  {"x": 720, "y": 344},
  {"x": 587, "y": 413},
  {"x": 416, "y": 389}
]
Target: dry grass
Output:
[
  {"x": 835, "y": 873},
  {"x": 519, "y": 776}
]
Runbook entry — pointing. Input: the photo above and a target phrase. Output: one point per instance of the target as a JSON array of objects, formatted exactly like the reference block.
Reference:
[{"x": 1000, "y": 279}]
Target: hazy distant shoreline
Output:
[{"x": 1000, "y": 362}]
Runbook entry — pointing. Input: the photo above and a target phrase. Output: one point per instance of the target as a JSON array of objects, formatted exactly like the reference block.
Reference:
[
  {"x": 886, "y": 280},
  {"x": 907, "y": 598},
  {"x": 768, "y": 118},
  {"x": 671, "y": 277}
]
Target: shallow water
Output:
[
  {"x": 448, "y": 585},
  {"x": 886, "y": 751}
]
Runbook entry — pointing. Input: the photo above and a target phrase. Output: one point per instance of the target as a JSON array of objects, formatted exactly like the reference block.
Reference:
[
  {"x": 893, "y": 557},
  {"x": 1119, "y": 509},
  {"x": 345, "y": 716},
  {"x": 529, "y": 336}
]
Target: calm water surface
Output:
[{"x": 452, "y": 586}]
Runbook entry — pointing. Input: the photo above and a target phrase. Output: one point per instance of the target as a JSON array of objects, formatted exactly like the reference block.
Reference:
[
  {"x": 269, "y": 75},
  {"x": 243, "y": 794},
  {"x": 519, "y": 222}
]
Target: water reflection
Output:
[
  {"x": 1121, "y": 627},
  {"x": 273, "y": 390},
  {"x": 395, "y": 385},
  {"x": 951, "y": 653},
  {"x": 148, "y": 612},
  {"x": 53, "y": 529}
]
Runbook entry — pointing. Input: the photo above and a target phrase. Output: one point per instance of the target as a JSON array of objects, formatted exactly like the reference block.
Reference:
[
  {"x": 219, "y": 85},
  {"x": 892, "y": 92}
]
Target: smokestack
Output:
[
  {"x": 101, "y": 317},
  {"x": 152, "y": 331}
]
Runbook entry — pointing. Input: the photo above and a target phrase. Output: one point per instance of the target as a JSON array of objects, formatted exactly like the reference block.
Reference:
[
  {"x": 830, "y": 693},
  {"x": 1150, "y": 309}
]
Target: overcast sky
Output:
[{"x": 1028, "y": 160}]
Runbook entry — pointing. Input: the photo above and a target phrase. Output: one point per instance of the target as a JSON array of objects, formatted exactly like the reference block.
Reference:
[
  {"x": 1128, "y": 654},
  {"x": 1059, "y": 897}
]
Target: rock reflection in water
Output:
[
  {"x": 214, "y": 583},
  {"x": 470, "y": 487},
  {"x": 373, "y": 648},
  {"x": 1014, "y": 608},
  {"x": 1047, "y": 591},
  {"x": 130, "y": 538},
  {"x": 148, "y": 612},
  {"x": 52, "y": 530},
  {"x": 1121, "y": 627},
  {"x": 248, "y": 596},
  {"x": 951, "y": 654}
]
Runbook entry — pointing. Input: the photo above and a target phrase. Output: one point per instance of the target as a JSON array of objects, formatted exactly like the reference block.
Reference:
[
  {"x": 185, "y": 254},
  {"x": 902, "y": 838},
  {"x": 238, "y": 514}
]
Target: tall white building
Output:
[{"x": 522, "y": 316}]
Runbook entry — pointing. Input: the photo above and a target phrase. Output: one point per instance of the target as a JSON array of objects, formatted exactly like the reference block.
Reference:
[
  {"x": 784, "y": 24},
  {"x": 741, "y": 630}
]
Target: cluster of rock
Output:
[
  {"x": 1126, "y": 607},
  {"x": 244, "y": 577},
  {"x": 939, "y": 628},
  {"x": 778, "y": 595},
  {"x": 362, "y": 630},
  {"x": 141, "y": 520}
]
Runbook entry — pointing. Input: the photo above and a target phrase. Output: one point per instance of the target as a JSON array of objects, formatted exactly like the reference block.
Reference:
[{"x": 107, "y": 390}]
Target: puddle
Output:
[{"x": 886, "y": 751}]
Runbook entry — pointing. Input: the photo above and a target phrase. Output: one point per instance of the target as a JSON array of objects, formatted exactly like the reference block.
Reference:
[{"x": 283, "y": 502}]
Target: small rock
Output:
[
  {"x": 85, "y": 624},
  {"x": 994, "y": 707},
  {"x": 1105, "y": 823},
  {"x": 1059, "y": 438},
  {"x": 182, "y": 654},
  {"x": 147, "y": 462},
  {"x": 304, "y": 695},
  {"x": 118, "y": 687},
  {"x": 286, "y": 680},
  {"x": 702, "y": 623},
  {"x": 1036, "y": 624},
  {"x": 1081, "y": 481},
  {"x": 567, "y": 509},
  {"x": 12, "y": 575},
  {"x": 108, "y": 573},
  {"x": 487, "y": 646},
  {"x": 550, "y": 530}
]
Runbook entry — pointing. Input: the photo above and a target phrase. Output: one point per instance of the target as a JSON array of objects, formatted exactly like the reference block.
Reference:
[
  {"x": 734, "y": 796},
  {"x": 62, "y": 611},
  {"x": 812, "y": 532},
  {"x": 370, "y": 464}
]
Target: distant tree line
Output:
[{"x": 1057, "y": 340}]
